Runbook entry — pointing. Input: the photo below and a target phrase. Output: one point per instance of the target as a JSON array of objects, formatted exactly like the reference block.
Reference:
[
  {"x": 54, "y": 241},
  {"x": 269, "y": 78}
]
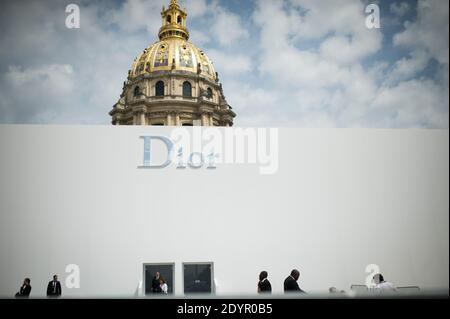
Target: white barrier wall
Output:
[{"x": 340, "y": 200}]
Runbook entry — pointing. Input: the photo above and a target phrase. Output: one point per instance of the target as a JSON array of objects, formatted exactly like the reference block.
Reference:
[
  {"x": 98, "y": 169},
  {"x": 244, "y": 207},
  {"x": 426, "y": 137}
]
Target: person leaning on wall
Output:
[{"x": 25, "y": 289}]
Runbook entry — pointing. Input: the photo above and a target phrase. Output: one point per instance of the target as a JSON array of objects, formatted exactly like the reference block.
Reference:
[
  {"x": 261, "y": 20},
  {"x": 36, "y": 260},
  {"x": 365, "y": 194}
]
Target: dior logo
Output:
[
  {"x": 194, "y": 160},
  {"x": 200, "y": 147}
]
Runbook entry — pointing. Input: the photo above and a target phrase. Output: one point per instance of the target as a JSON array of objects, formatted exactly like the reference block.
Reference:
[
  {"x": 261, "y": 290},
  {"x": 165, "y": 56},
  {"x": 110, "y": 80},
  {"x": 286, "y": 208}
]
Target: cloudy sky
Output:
[{"x": 285, "y": 63}]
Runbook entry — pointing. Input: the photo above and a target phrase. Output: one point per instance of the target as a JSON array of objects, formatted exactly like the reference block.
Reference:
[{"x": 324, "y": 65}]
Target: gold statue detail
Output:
[{"x": 162, "y": 56}]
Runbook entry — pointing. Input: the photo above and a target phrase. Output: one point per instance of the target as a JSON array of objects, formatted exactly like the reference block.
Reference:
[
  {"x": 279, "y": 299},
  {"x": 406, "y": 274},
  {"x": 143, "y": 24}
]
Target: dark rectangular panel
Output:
[{"x": 197, "y": 278}]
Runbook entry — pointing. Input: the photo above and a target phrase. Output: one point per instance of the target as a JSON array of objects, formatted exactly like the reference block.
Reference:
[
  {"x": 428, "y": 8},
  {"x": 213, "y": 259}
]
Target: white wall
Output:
[{"x": 342, "y": 199}]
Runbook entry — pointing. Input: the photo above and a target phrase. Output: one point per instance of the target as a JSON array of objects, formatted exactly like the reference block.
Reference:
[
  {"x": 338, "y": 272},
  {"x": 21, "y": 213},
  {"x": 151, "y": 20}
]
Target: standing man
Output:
[
  {"x": 54, "y": 287},
  {"x": 264, "y": 285},
  {"x": 156, "y": 285},
  {"x": 290, "y": 283}
]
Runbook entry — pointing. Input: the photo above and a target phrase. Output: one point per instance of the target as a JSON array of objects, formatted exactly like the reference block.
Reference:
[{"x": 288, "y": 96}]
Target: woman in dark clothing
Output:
[{"x": 264, "y": 285}]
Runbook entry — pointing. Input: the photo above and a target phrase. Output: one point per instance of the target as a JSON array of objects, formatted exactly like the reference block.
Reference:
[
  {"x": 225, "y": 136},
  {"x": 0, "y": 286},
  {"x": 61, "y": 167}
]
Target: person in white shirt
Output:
[
  {"x": 164, "y": 287},
  {"x": 382, "y": 284}
]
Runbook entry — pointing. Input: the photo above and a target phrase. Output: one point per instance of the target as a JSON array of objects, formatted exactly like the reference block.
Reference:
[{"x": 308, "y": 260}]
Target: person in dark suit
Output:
[
  {"x": 156, "y": 285},
  {"x": 54, "y": 287},
  {"x": 25, "y": 289},
  {"x": 290, "y": 283},
  {"x": 264, "y": 285}
]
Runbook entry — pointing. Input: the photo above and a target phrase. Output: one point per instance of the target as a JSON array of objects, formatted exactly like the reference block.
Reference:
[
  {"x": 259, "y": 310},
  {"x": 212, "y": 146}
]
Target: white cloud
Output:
[
  {"x": 338, "y": 25},
  {"x": 400, "y": 9},
  {"x": 138, "y": 14},
  {"x": 414, "y": 103},
  {"x": 223, "y": 26},
  {"x": 27, "y": 93},
  {"x": 52, "y": 79},
  {"x": 197, "y": 8},
  {"x": 317, "y": 19},
  {"x": 407, "y": 68},
  {"x": 230, "y": 64},
  {"x": 431, "y": 30},
  {"x": 417, "y": 101},
  {"x": 199, "y": 37},
  {"x": 304, "y": 65},
  {"x": 350, "y": 49},
  {"x": 228, "y": 28},
  {"x": 325, "y": 84},
  {"x": 325, "y": 65},
  {"x": 68, "y": 76}
]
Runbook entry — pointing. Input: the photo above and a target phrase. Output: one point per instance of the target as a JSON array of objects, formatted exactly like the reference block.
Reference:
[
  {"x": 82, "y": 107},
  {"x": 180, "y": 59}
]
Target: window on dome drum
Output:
[
  {"x": 209, "y": 93},
  {"x": 188, "y": 124},
  {"x": 158, "y": 124},
  {"x": 159, "y": 88},
  {"x": 137, "y": 91},
  {"x": 187, "y": 89}
]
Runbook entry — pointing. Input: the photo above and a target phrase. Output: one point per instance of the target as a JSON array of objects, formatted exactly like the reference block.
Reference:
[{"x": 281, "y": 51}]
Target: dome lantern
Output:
[{"x": 173, "y": 22}]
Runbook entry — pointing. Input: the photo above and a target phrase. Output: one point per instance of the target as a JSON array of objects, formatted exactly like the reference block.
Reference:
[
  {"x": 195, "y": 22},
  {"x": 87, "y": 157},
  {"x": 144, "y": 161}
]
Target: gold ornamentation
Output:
[
  {"x": 185, "y": 56},
  {"x": 204, "y": 63},
  {"x": 162, "y": 56}
]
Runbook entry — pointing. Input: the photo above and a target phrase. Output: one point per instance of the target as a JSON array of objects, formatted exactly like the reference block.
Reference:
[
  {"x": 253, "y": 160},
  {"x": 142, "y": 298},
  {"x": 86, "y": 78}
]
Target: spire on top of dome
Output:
[{"x": 173, "y": 22}]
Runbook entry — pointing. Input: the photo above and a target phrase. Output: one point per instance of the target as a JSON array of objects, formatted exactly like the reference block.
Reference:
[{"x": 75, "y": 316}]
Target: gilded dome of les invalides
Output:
[{"x": 173, "y": 82}]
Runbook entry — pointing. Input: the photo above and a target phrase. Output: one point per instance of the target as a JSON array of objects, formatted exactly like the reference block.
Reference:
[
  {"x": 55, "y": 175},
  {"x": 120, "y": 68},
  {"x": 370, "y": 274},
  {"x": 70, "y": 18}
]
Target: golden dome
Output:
[
  {"x": 173, "y": 54},
  {"x": 172, "y": 82},
  {"x": 173, "y": 51}
]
